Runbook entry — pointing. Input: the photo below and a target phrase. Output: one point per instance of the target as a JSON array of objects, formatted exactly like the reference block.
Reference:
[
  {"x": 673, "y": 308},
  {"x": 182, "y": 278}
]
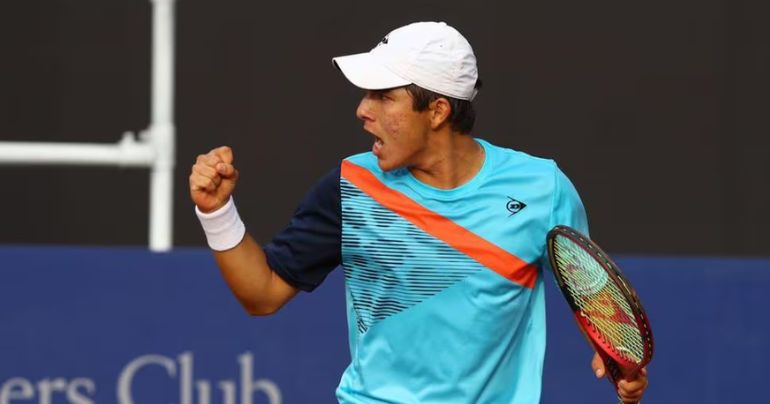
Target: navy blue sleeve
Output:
[{"x": 309, "y": 247}]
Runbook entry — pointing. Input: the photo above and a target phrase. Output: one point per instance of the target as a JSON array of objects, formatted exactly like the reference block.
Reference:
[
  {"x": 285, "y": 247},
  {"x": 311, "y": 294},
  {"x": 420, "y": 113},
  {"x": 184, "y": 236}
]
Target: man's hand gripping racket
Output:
[{"x": 606, "y": 307}]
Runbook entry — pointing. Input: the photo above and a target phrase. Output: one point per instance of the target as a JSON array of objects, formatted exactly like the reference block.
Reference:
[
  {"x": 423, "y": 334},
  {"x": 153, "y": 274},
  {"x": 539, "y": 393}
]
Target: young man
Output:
[{"x": 441, "y": 236}]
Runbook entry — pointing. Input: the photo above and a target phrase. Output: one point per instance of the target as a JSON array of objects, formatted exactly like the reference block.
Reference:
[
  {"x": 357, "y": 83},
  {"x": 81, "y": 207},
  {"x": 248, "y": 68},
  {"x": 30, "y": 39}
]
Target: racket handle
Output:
[{"x": 614, "y": 375}]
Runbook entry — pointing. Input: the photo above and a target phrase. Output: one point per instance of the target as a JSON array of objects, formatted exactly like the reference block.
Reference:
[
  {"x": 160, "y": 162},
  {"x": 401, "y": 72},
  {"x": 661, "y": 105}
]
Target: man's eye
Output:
[{"x": 380, "y": 95}]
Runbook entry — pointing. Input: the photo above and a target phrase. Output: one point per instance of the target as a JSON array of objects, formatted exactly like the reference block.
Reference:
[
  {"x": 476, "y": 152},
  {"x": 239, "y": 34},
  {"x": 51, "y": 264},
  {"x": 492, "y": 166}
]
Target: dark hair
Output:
[{"x": 462, "y": 116}]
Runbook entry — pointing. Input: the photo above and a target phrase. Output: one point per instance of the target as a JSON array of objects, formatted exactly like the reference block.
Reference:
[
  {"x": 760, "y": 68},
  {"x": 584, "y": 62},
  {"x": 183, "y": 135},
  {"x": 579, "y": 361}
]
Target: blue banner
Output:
[{"x": 122, "y": 325}]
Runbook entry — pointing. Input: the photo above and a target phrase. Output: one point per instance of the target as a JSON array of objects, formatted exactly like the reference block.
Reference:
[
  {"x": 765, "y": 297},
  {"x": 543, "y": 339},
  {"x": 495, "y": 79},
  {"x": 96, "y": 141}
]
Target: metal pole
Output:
[
  {"x": 126, "y": 153},
  {"x": 161, "y": 133},
  {"x": 154, "y": 149}
]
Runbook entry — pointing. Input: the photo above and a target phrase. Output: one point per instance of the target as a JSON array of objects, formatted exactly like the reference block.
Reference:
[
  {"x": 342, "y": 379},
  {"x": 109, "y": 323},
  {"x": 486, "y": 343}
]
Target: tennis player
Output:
[{"x": 441, "y": 236}]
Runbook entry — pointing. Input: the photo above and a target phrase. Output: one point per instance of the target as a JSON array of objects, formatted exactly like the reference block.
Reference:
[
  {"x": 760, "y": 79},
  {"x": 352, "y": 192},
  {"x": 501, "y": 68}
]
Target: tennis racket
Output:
[{"x": 606, "y": 307}]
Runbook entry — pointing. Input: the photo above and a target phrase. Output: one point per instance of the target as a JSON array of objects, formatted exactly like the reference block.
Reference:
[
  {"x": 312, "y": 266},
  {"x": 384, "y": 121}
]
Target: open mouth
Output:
[{"x": 377, "y": 146}]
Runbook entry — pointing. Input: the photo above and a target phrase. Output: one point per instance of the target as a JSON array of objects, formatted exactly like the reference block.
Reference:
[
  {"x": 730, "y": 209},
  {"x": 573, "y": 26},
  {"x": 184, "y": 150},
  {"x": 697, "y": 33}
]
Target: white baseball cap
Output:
[{"x": 432, "y": 55}]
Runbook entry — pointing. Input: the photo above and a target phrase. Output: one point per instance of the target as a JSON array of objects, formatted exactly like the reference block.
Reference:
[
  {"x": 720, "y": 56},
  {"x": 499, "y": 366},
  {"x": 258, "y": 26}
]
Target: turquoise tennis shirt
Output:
[{"x": 445, "y": 298}]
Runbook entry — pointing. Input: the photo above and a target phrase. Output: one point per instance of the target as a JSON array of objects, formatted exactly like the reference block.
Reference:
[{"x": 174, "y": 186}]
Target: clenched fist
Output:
[{"x": 213, "y": 179}]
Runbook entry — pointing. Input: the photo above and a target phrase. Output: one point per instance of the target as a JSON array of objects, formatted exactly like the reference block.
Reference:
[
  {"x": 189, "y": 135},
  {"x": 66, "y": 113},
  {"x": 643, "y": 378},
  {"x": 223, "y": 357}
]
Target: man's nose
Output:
[{"x": 364, "y": 112}]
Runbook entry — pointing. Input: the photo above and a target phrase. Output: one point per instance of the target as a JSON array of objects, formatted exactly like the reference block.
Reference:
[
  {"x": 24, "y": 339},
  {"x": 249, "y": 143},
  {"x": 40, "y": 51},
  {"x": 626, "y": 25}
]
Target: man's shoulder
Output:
[{"x": 506, "y": 156}]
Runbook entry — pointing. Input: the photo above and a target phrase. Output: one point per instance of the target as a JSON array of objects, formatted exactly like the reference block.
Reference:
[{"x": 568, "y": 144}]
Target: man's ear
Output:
[{"x": 440, "y": 111}]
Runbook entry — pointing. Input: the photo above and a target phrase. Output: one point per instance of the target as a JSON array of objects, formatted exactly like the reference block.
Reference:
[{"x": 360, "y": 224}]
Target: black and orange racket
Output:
[{"x": 606, "y": 307}]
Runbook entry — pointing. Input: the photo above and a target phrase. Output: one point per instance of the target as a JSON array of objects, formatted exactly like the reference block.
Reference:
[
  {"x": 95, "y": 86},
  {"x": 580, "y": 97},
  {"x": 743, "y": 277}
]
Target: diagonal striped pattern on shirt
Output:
[{"x": 456, "y": 236}]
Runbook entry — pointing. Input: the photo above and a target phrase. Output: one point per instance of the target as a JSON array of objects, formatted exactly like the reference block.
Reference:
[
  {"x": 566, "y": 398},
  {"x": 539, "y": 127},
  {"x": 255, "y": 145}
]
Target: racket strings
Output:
[{"x": 599, "y": 298}]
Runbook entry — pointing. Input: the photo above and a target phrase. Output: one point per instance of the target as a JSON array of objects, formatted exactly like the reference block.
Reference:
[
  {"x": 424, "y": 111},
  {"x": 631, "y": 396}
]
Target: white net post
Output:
[{"x": 162, "y": 133}]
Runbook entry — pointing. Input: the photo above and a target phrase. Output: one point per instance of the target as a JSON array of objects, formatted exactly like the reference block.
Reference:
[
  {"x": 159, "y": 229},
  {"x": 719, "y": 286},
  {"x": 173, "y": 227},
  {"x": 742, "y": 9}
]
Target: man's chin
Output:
[{"x": 386, "y": 165}]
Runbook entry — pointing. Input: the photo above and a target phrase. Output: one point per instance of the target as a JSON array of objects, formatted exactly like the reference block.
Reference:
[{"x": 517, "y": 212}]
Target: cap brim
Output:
[{"x": 365, "y": 72}]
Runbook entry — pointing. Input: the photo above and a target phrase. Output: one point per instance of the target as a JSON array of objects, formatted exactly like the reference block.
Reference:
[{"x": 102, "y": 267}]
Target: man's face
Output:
[{"x": 400, "y": 133}]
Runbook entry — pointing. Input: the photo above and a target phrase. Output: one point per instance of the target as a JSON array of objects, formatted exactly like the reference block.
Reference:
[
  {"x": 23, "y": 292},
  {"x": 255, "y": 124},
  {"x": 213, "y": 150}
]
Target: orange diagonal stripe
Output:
[{"x": 456, "y": 236}]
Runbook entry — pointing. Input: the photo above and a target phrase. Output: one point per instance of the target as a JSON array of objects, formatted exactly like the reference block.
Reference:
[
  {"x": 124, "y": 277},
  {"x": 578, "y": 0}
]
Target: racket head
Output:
[{"x": 606, "y": 306}]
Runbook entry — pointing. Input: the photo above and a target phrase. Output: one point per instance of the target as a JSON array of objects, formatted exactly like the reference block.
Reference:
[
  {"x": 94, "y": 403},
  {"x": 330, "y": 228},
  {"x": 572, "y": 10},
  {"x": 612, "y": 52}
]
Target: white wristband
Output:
[{"x": 223, "y": 227}]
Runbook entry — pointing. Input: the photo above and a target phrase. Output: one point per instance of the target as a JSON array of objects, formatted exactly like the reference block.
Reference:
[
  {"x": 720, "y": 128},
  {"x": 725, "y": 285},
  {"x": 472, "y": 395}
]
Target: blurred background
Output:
[{"x": 657, "y": 111}]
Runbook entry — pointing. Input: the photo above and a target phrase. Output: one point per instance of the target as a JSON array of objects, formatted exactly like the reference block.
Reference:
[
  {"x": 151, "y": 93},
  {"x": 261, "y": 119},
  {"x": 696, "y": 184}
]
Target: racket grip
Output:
[
  {"x": 613, "y": 371},
  {"x": 614, "y": 374}
]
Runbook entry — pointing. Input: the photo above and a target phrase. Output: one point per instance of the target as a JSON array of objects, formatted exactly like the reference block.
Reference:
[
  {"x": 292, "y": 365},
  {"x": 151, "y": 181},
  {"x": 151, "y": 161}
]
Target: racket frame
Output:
[{"x": 617, "y": 366}]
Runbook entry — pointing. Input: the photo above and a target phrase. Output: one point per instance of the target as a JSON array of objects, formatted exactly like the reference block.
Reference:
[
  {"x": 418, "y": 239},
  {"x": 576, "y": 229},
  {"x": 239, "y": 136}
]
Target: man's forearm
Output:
[{"x": 259, "y": 290}]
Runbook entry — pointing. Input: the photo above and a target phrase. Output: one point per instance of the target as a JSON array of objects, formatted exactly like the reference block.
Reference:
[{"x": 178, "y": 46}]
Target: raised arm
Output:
[{"x": 241, "y": 260}]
